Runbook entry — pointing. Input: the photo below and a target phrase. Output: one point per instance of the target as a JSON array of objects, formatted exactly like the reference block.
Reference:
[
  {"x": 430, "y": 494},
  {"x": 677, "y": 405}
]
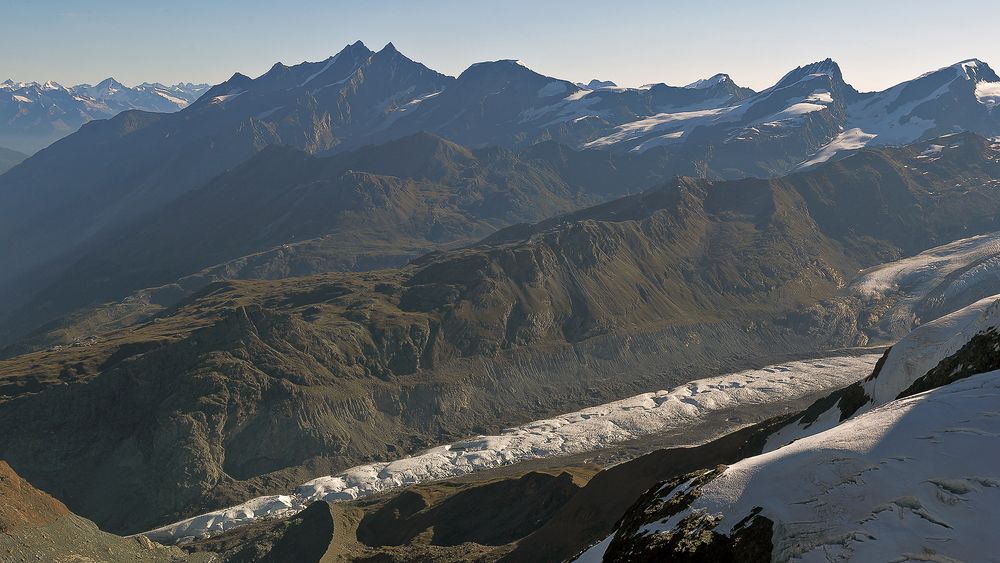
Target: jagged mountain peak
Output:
[
  {"x": 709, "y": 82},
  {"x": 110, "y": 81},
  {"x": 975, "y": 70},
  {"x": 827, "y": 67}
]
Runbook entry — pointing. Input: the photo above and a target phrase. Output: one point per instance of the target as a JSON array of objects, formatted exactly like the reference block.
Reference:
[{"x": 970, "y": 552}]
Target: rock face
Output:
[
  {"x": 259, "y": 385},
  {"x": 516, "y": 508},
  {"x": 36, "y": 527},
  {"x": 24, "y": 506},
  {"x": 306, "y": 538}
]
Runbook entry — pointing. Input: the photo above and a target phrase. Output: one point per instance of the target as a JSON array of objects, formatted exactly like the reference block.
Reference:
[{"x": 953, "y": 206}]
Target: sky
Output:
[{"x": 878, "y": 43}]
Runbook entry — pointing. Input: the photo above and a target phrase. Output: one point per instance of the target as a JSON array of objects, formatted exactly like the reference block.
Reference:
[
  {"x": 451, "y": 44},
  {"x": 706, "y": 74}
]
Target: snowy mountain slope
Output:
[
  {"x": 774, "y": 113},
  {"x": 859, "y": 475},
  {"x": 915, "y": 479},
  {"x": 962, "y": 96},
  {"x": 504, "y": 102},
  {"x": 581, "y": 431},
  {"x": 813, "y": 105},
  {"x": 34, "y": 115},
  {"x": 909, "y": 359},
  {"x": 935, "y": 282}
]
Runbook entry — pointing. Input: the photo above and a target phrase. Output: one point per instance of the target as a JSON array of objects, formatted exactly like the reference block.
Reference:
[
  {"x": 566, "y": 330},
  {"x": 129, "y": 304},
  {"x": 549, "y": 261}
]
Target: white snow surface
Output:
[
  {"x": 704, "y": 83},
  {"x": 671, "y": 125},
  {"x": 227, "y": 97},
  {"x": 921, "y": 350},
  {"x": 576, "y": 432},
  {"x": 950, "y": 270},
  {"x": 849, "y": 140},
  {"x": 952, "y": 276},
  {"x": 915, "y": 479},
  {"x": 910, "y": 358}
]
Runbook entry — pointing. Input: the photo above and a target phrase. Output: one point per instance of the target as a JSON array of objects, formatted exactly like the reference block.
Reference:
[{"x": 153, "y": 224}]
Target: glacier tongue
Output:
[{"x": 585, "y": 430}]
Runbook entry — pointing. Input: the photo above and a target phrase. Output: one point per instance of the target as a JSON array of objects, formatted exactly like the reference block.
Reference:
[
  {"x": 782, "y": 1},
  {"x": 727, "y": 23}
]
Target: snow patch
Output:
[
  {"x": 553, "y": 88},
  {"x": 326, "y": 67},
  {"x": 669, "y": 123},
  {"x": 852, "y": 139},
  {"x": 227, "y": 97}
]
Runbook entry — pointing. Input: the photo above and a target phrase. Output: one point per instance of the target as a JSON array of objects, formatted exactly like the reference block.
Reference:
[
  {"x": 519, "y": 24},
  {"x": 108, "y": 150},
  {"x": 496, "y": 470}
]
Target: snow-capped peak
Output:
[
  {"x": 596, "y": 84},
  {"x": 709, "y": 82},
  {"x": 825, "y": 67},
  {"x": 969, "y": 69},
  {"x": 975, "y": 70}
]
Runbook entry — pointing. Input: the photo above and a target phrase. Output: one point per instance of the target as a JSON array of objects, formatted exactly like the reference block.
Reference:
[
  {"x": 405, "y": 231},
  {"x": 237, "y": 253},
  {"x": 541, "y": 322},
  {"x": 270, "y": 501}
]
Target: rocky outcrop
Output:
[{"x": 36, "y": 527}]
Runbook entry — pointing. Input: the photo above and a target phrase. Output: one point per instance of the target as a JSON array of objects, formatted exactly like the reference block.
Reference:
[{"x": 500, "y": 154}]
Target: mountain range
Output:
[
  {"x": 33, "y": 115},
  {"x": 338, "y": 369},
  {"x": 357, "y": 309},
  {"x": 133, "y": 166}
]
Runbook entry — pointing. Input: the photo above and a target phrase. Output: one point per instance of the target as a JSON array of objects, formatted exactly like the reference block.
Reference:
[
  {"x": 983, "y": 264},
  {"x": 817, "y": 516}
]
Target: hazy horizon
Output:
[{"x": 645, "y": 42}]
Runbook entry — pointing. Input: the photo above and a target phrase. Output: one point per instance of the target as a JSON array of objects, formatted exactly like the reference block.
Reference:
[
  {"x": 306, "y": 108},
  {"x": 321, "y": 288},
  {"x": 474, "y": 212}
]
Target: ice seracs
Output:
[{"x": 581, "y": 431}]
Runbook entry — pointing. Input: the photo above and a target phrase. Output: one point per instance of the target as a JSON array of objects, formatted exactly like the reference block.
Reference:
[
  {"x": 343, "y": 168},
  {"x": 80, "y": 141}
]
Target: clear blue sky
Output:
[{"x": 876, "y": 42}]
